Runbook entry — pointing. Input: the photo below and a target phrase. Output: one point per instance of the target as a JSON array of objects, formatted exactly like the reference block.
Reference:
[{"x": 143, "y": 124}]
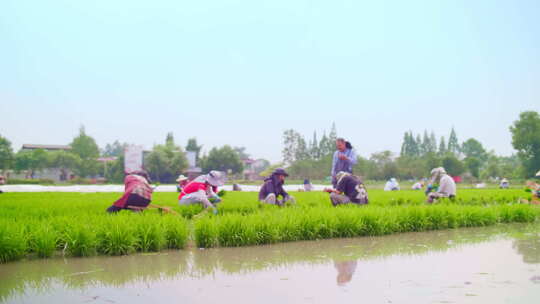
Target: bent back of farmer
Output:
[
  {"x": 137, "y": 193},
  {"x": 349, "y": 190},
  {"x": 272, "y": 189},
  {"x": 447, "y": 185},
  {"x": 202, "y": 190},
  {"x": 343, "y": 160}
]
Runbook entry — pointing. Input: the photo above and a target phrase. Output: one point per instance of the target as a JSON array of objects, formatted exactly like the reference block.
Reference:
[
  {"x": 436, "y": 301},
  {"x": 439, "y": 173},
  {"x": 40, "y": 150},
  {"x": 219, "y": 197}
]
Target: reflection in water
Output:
[
  {"x": 82, "y": 273},
  {"x": 529, "y": 248},
  {"x": 345, "y": 271}
]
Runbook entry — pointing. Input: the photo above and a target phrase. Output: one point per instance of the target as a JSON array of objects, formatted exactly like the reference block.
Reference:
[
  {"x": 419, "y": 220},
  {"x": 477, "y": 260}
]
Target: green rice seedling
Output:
[
  {"x": 13, "y": 244},
  {"x": 176, "y": 232},
  {"x": 232, "y": 231},
  {"x": 81, "y": 240},
  {"x": 206, "y": 233},
  {"x": 117, "y": 237},
  {"x": 43, "y": 241},
  {"x": 150, "y": 234}
]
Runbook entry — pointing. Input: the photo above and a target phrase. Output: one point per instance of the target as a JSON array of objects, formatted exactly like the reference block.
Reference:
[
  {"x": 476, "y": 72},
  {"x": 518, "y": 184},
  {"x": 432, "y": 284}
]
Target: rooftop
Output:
[{"x": 45, "y": 147}]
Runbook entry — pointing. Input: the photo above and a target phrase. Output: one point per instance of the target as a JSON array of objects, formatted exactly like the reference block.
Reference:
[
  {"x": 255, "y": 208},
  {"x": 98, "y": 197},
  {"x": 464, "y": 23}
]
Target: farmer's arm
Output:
[
  {"x": 334, "y": 161},
  {"x": 204, "y": 199}
]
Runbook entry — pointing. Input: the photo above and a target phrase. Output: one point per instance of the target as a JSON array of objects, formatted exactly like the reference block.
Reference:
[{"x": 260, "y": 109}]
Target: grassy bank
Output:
[{"x": 75, "y": 224}]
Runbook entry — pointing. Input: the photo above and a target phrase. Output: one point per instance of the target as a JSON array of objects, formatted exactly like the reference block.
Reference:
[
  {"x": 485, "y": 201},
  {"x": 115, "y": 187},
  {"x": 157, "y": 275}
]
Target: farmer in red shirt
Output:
[
  {"x": 137, "y": 194},
  {"x": 202, "y": 190}
]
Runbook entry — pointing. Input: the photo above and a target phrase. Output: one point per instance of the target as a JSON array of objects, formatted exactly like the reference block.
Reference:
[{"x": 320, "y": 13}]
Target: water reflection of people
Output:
[{"x": 345, "y": 271}]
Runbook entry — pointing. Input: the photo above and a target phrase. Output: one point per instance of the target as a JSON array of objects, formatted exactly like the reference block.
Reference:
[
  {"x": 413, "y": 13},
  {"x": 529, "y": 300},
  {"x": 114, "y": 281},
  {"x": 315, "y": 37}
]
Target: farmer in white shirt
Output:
[{"x": 446, "y": 185}]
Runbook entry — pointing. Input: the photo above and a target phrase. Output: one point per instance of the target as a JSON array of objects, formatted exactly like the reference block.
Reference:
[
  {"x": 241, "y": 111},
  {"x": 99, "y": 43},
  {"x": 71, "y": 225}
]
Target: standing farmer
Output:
[
  {"x": 273, "y": 188},
  {"x": 344, "y": 159}
]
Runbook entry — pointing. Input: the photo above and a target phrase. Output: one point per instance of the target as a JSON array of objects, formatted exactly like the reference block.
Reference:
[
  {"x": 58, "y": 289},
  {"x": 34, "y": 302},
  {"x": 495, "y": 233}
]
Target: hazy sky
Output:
[{"x": 241, "y": 72}]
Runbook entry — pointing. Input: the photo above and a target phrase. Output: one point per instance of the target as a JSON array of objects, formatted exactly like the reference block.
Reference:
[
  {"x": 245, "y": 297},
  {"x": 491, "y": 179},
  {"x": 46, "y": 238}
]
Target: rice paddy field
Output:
[{"x": 42, "y": 225}]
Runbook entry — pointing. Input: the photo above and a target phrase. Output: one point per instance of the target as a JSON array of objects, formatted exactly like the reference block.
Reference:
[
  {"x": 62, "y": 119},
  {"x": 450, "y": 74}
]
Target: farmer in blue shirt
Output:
[{"x": 344, "y": 159}]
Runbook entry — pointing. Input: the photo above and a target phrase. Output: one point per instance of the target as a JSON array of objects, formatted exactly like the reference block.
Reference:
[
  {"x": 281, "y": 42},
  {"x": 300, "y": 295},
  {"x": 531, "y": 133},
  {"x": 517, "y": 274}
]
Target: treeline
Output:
[
  {"x": 164, "y": 162},
  {"x": 420, "y": 153}
]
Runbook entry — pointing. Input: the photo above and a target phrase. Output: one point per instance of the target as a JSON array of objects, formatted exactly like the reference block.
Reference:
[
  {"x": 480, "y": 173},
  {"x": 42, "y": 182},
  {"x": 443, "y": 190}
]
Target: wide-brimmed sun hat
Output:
[
  {"x": 216, "y": 178},
  {"x": 537, "y": 174},
  {"x": 181, "y": 178},
  {"x": 280, "y": 171}
]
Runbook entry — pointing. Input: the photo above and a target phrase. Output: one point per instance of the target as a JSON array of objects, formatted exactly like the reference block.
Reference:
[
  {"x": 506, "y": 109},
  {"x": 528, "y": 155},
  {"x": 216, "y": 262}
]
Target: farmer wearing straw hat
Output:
[
  {"x": 446, "y": 188},
  {"x": 273, "y": 188},
  {"x": 349, "y": 189},
  {"x": 504, "y": 184},
  {"x": 182, "y": 182},
  {"x": 137, "y": 194},
  {"x": 202, "y": 190}
]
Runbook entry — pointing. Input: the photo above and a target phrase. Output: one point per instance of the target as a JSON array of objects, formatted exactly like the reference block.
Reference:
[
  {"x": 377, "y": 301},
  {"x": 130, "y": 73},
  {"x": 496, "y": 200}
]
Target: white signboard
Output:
[
  {"x": 133, "y": 158},
  {"x": 191, "y": 158}
]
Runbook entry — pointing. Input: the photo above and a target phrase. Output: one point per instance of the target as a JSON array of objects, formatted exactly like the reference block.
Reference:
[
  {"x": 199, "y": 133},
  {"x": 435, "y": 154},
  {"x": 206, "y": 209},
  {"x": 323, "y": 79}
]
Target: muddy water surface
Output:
[{"x": 498, "y": 264}]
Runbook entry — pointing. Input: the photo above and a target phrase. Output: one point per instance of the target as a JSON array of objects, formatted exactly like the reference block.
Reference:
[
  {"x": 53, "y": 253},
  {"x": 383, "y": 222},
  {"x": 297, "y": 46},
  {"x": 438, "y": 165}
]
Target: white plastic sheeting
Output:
[{"x": 120, "y": 188}]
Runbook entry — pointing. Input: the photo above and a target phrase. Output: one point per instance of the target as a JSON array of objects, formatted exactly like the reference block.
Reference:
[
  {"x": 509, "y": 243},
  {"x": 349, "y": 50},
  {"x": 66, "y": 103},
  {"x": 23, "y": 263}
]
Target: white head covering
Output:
[
  {"x": 181, "y": 178},
  {"x": 340, "y": 175},
  {"x": 537, "y": 174},
  {"x": 216, "y": 178},
  {"x": 437, "y": 173}
]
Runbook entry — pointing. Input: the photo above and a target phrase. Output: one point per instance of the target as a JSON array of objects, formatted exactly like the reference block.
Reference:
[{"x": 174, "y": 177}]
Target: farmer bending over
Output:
[
  {"x": 446, "y": 185},
  {"x": 349, "y": 190},
  {"x": 202, "y": 190},
  {"x": 273, "y": 188},
  {"x": 182, "y": 182},
  {"x": 137, "y": 194},
  {"x": 534, "y": 188}
]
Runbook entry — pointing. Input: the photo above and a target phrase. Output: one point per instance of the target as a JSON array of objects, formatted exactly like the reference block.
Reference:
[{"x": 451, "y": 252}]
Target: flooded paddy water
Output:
[{"x": 498, "y": 264}]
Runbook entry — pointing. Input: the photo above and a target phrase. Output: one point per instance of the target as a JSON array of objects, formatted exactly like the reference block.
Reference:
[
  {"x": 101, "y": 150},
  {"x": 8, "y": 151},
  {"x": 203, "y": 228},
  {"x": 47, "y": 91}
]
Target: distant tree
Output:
[
  {"x": 314, "y": 150},
  {"x": 526, "y": 140},
  {"x": 64, "y": 161},
  {"x": 289, "y": 146},
  {"x": 6, "y": 154},
  {"x": 87, "y": 150},
  {"x": 473, "y": 164},
  {"x": 302, "y": 152},
  {"x": 192, "y": 146},
  {"x": 473, "y": 148},
  {"x": 169, "y": 140},
  {"x": 165, "y": 162},
  {"x": 419, "y": 145},
  {"x": 84, "y": 146},
  {"x": 326, "y": 146},
  {"x": 241, "y": 152},
  {"x": 31, "y": 161},
  {"x": 453, "y": 143},
  {"x": 432, "y": 143},
  {"x": 332, "y": 137},
  {"x": 426, "y": 144},
  {"x": 115, "y": 149},
  {"x": 452, "y": 165},
  {"x": 442, "y": 146},
  {"x": 409, "y": 147},
  {"x": 386, "y": 167},
  {"x": 222, "y": 159}
]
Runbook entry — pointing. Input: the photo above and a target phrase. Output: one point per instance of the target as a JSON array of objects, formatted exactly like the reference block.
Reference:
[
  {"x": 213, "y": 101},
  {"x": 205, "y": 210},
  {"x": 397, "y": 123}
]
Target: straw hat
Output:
[
  {"x": 181, "y": 178},
  {"x": 216, "y": 178}
]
